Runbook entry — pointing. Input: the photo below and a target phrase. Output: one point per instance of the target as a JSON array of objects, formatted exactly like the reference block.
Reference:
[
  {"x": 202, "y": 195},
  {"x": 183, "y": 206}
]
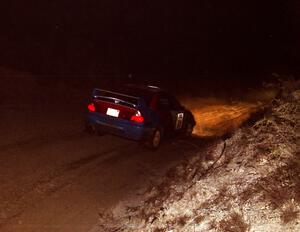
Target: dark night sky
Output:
[{"x": 150, "y": 38}]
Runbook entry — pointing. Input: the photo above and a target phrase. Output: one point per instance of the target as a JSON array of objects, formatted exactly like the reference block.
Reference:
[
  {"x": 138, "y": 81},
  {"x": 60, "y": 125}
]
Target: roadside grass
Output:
[
  {"x": 289, "y": 214},
  {"x": 234, "y": 223}
]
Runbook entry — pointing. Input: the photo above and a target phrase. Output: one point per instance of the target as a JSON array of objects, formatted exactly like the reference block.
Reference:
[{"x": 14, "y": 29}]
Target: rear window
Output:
[{"x": 147, "y": 97}]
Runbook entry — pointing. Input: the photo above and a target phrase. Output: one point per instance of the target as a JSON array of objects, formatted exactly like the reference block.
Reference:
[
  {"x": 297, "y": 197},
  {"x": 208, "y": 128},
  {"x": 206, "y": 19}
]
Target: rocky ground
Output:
[{"x": 249, "y": 181}]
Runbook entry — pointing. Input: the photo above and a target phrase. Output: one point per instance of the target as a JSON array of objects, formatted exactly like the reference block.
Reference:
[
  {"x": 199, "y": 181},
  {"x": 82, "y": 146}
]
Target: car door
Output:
[
  {"x": 164, "y": 112},
  {"x": 177, "y": 113},
  {"x": 170, "y": 112}
]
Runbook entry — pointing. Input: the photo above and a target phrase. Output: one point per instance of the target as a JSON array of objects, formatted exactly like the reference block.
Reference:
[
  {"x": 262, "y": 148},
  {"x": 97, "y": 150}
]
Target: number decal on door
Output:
[{"x": 179, "y": 121}]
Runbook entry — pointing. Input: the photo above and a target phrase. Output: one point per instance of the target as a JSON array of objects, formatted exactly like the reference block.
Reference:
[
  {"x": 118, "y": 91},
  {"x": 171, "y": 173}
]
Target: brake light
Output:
[
  {"x": 137, "y": 117},
  {"x": 91, "y": 107}
]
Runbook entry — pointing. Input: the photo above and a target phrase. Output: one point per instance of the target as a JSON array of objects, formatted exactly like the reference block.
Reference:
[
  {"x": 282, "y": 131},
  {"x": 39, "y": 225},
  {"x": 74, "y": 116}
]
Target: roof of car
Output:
[
  {"x": 139, "y": 91},
  {"x": 147, "y": 88},
  {"x": 144, "y": 91}
]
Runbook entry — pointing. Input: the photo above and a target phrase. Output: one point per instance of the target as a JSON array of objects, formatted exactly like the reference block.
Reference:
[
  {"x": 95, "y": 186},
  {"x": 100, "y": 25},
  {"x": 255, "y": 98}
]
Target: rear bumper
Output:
[{"x": 116, "y": 126}]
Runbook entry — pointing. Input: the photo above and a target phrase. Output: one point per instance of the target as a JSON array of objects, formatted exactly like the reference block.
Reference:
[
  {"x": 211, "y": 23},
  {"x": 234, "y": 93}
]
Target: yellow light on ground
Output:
[{"x": 216, "y": 117}]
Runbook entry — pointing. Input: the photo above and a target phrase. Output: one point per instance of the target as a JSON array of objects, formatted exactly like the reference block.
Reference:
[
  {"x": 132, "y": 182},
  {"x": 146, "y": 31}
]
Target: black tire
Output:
[
  {"x": 188, "y": 131},
  {"x": 155, "y": 139}
]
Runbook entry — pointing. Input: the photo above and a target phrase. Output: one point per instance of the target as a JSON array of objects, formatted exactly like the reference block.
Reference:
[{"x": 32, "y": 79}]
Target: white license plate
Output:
[{"x": 112, "y": 112}]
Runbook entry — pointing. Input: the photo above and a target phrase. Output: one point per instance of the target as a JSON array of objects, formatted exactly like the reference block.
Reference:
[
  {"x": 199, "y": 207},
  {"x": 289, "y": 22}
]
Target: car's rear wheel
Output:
[
  {"x": 155, "y": 140},
  {"x": 188, "y": 130}
]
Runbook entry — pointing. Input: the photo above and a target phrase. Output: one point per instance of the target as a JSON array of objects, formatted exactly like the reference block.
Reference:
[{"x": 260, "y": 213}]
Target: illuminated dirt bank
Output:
[{"x": 216, "y": 117}]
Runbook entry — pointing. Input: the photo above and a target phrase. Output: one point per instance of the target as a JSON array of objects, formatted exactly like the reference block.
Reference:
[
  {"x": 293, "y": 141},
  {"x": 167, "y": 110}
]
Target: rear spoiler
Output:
[{"x": 116, "y": 97}]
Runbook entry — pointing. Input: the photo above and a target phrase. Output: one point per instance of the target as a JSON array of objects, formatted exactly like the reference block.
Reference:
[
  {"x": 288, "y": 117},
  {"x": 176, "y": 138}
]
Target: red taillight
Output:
[
  {"x": 92, "y": 107},
  {"x": 137, "y": 117}
]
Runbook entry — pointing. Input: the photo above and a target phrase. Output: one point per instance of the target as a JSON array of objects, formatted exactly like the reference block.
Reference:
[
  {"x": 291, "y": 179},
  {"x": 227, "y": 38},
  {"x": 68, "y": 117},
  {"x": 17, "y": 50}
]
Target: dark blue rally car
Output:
[{"x": 141, "y": 113}]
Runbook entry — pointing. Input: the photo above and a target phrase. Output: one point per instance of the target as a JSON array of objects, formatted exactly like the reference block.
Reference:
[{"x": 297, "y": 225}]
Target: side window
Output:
[
  {"x": 175, "y": 105},
  {"x": 163, "y": 103}
]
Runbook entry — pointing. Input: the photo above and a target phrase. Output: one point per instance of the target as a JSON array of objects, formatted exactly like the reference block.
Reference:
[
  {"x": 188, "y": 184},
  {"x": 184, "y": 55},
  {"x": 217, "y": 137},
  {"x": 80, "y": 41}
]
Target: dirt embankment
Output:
[
  {"x": 216, "y": 116},
  {"x": 249, "y": 182}
]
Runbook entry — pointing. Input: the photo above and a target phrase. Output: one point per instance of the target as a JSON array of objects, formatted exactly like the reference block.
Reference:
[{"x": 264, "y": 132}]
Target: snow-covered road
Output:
[{"x": 55, "y": 177}]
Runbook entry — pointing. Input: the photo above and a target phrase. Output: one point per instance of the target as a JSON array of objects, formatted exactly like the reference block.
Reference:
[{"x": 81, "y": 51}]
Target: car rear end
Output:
[{"x": 117, "y": 113}]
